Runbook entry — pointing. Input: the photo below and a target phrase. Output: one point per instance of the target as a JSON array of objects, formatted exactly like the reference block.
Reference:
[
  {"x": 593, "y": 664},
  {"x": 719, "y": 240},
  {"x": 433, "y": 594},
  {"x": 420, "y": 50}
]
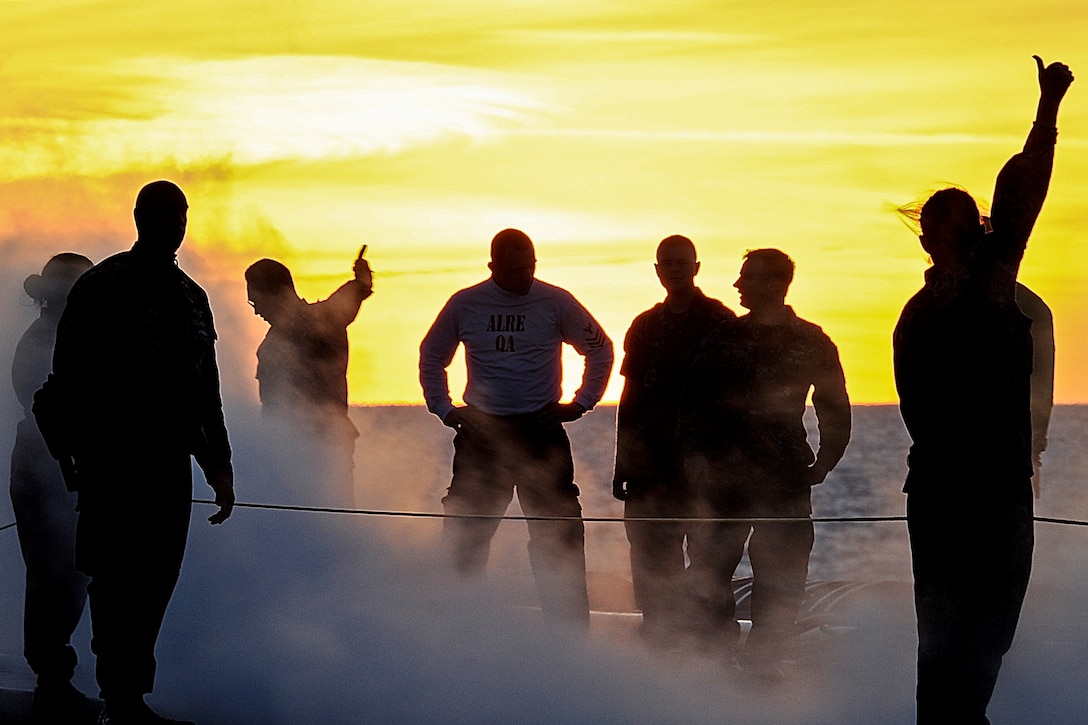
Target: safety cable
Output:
[
  {"x": 596, "y": 519},
  {"x": 1064, "y": 522},
  {"x": 507, "y": 517},
  {"x": 587, "y": 519}
]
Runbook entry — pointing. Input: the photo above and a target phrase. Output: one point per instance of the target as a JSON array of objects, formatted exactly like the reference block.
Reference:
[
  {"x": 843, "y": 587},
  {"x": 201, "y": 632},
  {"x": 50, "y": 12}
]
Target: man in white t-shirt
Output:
[{"x": 509, "y": 432}]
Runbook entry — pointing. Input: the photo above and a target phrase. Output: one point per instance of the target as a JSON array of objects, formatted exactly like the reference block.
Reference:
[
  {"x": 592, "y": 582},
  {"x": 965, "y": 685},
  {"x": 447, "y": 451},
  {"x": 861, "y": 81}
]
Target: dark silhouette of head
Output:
[
  {"x": 513, "y": 261},
  {"x": 951, "y": 226},
  {"x": 50, "y": 288},
  {"x": 161, "y": 214},
  {"x": 764, "y": 279},
  {"x": 270, "y": 288},
  {"x": 677, "y": 264}
]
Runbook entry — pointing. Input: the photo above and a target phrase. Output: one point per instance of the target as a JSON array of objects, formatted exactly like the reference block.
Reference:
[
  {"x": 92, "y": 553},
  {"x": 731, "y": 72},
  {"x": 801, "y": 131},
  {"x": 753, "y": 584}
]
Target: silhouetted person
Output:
[
  {"x": 1042, "y": 377},
  {"x": 751, "y": 456},
  {"x": 510, "y": 433},
  {"x": 659, "y": 351},
  {"x": 302, "y": 369},
  {"x": 45, "y": 513},
  {"x": 134, "y": 393},
  {"x": 963, "y": 362}
]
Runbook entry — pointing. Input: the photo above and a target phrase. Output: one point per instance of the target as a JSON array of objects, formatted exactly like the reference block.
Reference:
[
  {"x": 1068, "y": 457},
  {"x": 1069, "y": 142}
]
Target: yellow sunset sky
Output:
[{"x": 301, "y": 131}]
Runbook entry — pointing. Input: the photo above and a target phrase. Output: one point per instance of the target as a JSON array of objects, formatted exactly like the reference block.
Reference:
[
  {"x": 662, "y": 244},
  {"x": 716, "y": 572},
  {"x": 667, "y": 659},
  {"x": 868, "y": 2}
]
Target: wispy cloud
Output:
[
  {"x": 259, "y": 110},
  {"x": 653, "y": 37},
  {"x": 806, "y": 138}
]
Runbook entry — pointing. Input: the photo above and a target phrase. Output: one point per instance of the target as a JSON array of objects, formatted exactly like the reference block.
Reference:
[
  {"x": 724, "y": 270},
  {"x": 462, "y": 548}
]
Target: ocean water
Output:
[
  {"x": 293, "y": 617},
  {"x": 403, "y": 461}
]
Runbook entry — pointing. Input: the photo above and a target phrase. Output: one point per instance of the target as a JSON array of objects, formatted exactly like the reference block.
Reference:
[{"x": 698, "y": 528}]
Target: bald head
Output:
[
  {"x": 677, "y": 245},
  {"x": 677, "y": 265},
  {"x": 161, "y": 214},
  {"x": 513, "y": 261},
  {"x": 509, "y": 240}
]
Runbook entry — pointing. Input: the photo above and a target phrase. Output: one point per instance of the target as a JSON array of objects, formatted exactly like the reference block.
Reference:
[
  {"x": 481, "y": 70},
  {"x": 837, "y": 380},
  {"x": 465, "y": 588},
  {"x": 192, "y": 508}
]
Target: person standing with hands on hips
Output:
[{"x": 510, "y": 434}]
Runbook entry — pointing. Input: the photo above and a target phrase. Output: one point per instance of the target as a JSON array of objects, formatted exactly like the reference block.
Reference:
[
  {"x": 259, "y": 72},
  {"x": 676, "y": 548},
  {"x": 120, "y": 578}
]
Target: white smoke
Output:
[{"x": 286, "y": 617}]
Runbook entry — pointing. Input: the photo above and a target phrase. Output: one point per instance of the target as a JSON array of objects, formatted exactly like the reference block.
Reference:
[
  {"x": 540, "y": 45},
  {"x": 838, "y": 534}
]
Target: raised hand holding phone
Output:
[{"x": 363, "y": 273}]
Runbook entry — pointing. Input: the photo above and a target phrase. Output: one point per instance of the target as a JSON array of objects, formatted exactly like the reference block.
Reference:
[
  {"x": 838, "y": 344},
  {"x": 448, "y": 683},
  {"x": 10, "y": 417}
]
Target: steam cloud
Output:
[{"x": 287, "y": 617}]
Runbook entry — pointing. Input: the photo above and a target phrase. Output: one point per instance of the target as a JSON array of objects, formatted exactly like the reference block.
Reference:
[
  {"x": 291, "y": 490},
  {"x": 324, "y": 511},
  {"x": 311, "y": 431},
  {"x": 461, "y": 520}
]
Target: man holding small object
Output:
[{"x": 302, "y": 369}]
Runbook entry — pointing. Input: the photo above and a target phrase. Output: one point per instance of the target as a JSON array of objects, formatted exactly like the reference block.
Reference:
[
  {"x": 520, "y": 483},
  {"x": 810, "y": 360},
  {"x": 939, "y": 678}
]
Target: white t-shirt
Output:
[{"x": 513, "y": 347}]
